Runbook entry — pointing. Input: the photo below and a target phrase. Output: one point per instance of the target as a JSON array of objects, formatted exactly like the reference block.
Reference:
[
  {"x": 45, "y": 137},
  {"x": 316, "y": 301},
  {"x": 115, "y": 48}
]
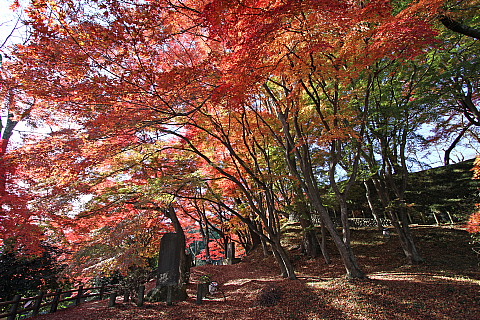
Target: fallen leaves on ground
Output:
[{"x": 446, "y": 286}]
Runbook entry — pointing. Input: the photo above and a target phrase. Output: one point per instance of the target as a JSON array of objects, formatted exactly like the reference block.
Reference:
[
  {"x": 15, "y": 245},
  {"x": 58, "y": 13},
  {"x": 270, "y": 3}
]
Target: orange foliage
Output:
[
  {"x": 473, "y": 224},
  {"x": 170, "y": 95}
]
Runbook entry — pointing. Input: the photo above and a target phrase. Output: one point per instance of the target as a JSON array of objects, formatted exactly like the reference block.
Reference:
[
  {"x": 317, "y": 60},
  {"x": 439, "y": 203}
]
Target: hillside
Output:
[
  {"x": 444, "y": 193},
  {"x": 434, "y": 196},
  {"x": 446, "y": 286}
]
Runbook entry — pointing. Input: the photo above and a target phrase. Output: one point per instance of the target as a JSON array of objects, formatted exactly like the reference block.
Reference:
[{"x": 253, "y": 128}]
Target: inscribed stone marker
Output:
[{"x": 169, "y": 260}]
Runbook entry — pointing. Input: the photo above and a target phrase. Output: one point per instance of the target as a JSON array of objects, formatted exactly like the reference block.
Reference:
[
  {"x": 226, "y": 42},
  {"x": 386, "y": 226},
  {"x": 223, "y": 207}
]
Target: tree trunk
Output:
[
  {"x": 300, "y": 165},
  {"x": 256, "y": 240},
  {"x": 263, "y": 242},
  {"x": 309, "y": 238},
  {"x": 323, "y": 244},
  {"x": 406, "y": 238},
  {"x": 281, "y": 265},
  {"x": 344, "y": 218},
  {"x": 206, "y": 240},
  {"x": 348, "y": 258},
  {"x": 446, "y": 158},
  {"x": 400, "y": 223},
  {"x": 250, "y": 240},
  {"x": 310, "y": 241},
  {"x": 283, "y": 260},
  {"x": 371, "y": 205},
  {"x": 5, "y": 135}
]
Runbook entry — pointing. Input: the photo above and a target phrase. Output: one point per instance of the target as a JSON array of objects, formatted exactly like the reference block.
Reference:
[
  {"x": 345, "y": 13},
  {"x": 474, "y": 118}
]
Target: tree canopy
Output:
[{"x": 238, "y": 115}]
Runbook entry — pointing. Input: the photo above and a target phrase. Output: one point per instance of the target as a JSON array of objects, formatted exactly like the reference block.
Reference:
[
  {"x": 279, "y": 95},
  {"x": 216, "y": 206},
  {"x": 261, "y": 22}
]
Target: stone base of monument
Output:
[
  {"x": 229, "y": 261},
  {"x": 167, "y": 294}
]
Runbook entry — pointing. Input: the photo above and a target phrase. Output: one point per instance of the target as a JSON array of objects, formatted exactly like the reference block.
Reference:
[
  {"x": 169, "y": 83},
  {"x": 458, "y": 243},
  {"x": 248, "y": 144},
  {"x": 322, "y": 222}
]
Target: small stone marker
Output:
[
  {"x": 231, "y": 250},
  {"x": 230, "y": 255},
  {"x": 202, "y": 291}
]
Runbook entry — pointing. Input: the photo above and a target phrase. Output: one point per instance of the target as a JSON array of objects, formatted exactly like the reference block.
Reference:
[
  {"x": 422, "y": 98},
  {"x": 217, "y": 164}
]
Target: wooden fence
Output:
[{"x": 49, "y": 302}]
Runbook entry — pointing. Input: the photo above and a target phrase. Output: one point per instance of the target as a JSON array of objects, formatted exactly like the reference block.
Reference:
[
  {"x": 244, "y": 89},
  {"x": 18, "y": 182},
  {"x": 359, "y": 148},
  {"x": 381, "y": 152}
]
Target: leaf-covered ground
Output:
[{"x": 446, "y": 286}]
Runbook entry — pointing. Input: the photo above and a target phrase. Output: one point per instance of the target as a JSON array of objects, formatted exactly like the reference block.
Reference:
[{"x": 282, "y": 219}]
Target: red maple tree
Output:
[{"x": 235, "y": 97}]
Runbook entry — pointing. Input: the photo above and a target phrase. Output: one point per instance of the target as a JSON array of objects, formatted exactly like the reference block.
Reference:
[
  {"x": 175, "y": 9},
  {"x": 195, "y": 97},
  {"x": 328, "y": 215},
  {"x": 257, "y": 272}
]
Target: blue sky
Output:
[{"x": 8, "y": 20}]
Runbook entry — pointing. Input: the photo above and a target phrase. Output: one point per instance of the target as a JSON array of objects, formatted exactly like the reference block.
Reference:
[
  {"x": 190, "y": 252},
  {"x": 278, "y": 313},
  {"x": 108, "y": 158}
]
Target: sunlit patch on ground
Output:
[{"x": 445, "y": 287}]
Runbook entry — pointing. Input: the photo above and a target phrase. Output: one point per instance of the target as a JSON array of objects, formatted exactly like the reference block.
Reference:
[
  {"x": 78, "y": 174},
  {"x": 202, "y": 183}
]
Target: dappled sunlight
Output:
[
  {"x": 392, "y": 291},
  {"x": 241, "y": 282},
  {"x": 422, "y": 277}
]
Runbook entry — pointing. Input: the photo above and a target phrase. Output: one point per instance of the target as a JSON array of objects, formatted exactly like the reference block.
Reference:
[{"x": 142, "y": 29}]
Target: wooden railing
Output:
[{"x": 50, "y": 302}]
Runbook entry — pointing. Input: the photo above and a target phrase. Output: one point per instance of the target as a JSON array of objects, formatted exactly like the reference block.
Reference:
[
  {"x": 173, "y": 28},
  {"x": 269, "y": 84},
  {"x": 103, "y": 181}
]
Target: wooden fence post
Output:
[
  {"x": 38, "y": 303},
  {"x": 113, "y": 298},
  {"x": 200, "y": 292},
  {"x": 14, "y": 308},
  {"x": 78, "y": 300},
  {"x": 56, "y": 298},
  {"x": 141, "y": 293},
  {"x": 102, "y": 292},
  {"x": 169, "y": 295}
]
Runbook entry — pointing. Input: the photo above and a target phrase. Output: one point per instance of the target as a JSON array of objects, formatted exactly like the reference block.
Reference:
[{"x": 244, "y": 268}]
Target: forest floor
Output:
[{"x": 445, "y": 286}]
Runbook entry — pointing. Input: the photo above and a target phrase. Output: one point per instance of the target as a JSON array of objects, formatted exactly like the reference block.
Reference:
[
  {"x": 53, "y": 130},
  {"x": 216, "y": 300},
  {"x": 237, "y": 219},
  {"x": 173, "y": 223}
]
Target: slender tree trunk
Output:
[
  {"x": 344, "y": 218},
  {"x": 253, "y": 240},
  {"x": 299, "y": 163},
  {"x": 273, "y": 239},
  {"x": 348, "y": 258},
  {"x": 3, "y": 170},
  {"x": 206, "y": 240},
  {"x": 323, "y": 244},
  {"x": 266, "y": 253},
  {"x": 283, "y": 260},
  {"x": 309, "y": 238},
  {"x": 6, "y": 133},
  {"x": 399, "y": 221},
  {"x": 446, "y": 158},
  {"x": 371, "y": 205},
  {"x": 344, "y": 246},
  {"x": 281, "y": 265},
  {"x": 310, "y": 241},
  {"x": 268, "y": 235},
  {"x": 406, "y": 241},
  {"x": 407, "y": 238}
]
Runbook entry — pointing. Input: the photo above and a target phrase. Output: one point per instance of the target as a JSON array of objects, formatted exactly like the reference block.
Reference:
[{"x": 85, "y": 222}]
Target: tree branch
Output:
[{"x": 458, "y": 27}]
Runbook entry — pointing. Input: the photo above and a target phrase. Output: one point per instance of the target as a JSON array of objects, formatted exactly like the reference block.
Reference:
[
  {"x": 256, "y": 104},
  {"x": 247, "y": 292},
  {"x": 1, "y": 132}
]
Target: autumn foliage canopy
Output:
[{"x": 222, "y": 109}]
